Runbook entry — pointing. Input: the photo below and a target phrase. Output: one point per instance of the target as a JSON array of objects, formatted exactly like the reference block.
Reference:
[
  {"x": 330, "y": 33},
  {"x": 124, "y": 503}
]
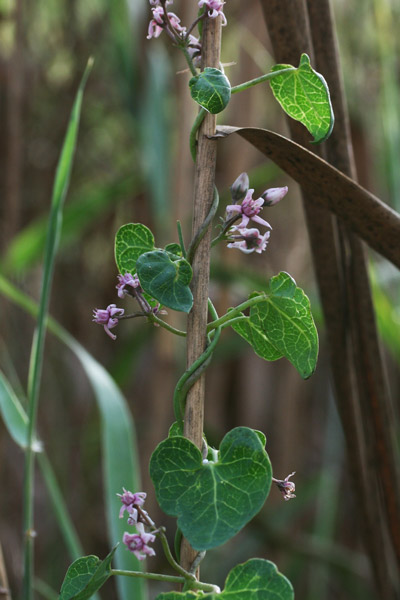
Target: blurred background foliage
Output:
[{"x": 132, "y": 165}]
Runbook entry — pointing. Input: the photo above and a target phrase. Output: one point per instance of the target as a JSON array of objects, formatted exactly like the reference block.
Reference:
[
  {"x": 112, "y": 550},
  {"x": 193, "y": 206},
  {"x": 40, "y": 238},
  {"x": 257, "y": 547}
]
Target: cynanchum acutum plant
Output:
[{"x": 212, "y": 493}]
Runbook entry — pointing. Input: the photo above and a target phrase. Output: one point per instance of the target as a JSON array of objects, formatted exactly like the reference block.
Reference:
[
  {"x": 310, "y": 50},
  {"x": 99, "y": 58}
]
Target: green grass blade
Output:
[
  {"x": 16, "y": 421},
  {"x": 119, "y": 443},
  {"x": 36, "y": 361},
  {"x": 14, "y": 415}
]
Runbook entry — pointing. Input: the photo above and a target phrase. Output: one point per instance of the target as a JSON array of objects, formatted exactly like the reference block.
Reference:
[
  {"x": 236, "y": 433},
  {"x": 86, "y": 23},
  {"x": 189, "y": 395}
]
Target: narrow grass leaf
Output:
[
  {"x": 60, "y": 188},
  {"x": 119, "y": 451},
  {"x": 16, "y": 421},
  {"x": 14, "y": 415}
]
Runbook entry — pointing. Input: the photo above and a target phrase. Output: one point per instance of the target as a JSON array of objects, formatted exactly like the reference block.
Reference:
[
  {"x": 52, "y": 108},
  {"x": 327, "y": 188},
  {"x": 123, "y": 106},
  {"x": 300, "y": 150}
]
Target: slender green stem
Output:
[
  {"x": 248, "y": 84},
  {"x": 226, "y": 227},
  {"x": 155, "y": 319},
  {"x": 146, "y": 575},
  {"x": 168, "y": 554},
  {"x": 189, "y": 61},
  {"x": 193, "y": 132},
  {"x": 189, "y": 583},
  {"x": 232, "y": 321},
  {"x": 235, "y": 312}
]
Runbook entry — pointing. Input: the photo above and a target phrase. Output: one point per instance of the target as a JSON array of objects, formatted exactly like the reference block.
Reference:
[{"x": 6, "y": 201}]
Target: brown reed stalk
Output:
[
  {"x": 202, "y": 201},
  {"x": 289, "y": 29}
]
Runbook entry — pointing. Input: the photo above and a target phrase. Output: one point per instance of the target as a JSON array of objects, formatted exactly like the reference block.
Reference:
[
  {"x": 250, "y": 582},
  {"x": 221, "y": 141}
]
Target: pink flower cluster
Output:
[
  {"x": 137, "y": 543},
  {"x": 215, "y": 9},
  {"x": 160, "y": 21},
  {"x": 108, "y": 318},
  {"x": 169, "y": 21},
  {"x": 242, "y": 238}
]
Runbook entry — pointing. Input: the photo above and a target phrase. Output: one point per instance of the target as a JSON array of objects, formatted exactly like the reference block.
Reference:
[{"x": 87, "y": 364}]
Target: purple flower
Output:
[
  {"x": 249, "y": 240},
  {"x": 215, "y": 8},
  {"x": 239, "y": 187},
  {"x": 129, "y": 503},
  {"x": 274, "y": 195},
  {"x": 127, "y": 280},
  {"x": 137, "y": 542},
  {"x": 249, "y": 209},
  {"x": 158, "y": 22},
  {"x": 154, "y": 30},
  {"x": 286, "y": 487},
  {"x": 108, "y": 318}
]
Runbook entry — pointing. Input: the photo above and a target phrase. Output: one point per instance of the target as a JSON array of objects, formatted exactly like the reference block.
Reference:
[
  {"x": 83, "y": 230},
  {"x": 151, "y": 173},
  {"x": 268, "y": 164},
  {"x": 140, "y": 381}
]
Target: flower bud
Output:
[
  {"x": 239, "y": 187},
  {"x": 273, "y": 195}
]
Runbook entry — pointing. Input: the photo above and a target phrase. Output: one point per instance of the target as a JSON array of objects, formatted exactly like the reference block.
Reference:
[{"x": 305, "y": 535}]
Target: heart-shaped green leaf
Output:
[
  {"x": 304, "y": 96},
  {"x": 131, "y": 241},
  {"x": 212, "y": 501},
  {"x": 166, "y": 280},
  {"x": 252, "y": 330},
  {"x": 283, "y": 324},
  {"x": 85, "y": 576},
  {"x": 256, "y": 579},
  {"x": 211, "y": 89}
]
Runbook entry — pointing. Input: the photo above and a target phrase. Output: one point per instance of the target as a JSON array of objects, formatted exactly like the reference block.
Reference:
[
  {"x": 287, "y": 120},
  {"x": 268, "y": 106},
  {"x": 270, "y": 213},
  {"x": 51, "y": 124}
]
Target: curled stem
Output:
[
  {"x": 206, "y": 223},
  {"x": 193, "y": 132},
  {"x": 168, "y": 554},
  {"x": 195, "y": 370}
]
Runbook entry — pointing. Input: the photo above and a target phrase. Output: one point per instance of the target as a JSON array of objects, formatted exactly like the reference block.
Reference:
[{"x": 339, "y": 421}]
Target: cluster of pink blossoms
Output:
[
  {"x": 109, "y": 317},
  {"x": 137, "y": 543},
  {"x": 250, "y": 240},
  {"x": 163, "y": 19}
]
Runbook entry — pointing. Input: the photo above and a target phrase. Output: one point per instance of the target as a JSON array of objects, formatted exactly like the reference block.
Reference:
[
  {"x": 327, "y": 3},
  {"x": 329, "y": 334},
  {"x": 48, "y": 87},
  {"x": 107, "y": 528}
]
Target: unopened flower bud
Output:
[
  {"x": 286, "y": 487},
  {"x": 273, "y": 195},
  {"x": 240, "y": 187}
]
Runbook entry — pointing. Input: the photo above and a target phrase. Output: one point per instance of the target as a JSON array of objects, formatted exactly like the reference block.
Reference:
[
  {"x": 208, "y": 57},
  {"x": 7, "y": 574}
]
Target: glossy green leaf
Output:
[
  {"x": 252, "y": 330},
  {"x": 283, "y": 322},
  {"x": 131, "y": 241},
  {"x": 256, "y": 579},
  {"x": 166, "y": 280},
  {"x": 212, "y": 501},
  {"x": 304, "y": 96},
  {"x": 85, "y": 576},
  {"x": 211, "y": 89}
]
